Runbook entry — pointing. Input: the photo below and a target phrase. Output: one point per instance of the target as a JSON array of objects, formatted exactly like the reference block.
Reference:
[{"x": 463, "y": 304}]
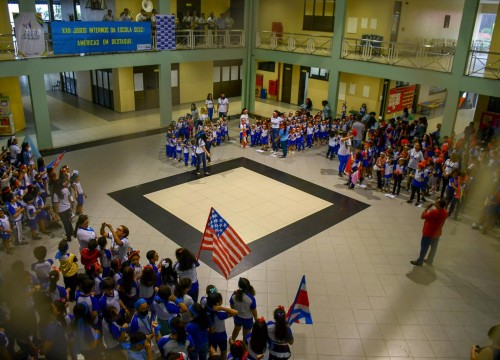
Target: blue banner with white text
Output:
[{"x": 100, "y": 36}]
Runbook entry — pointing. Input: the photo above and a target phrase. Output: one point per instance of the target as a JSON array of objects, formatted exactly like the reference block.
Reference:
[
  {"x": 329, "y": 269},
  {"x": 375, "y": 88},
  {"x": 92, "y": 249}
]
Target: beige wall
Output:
[
  {"x": 425, "y": 19},
  {"x": 419, "y": 19},
  {"x": 424, "y": 94},
  {"x": 84, "y": 85},
  {"x": 123, "y": 89},
  {"x": 317, "y": 91},
  {"x": 355, "y": 100},
  {"x": 381, "y": 10},
  {"x": 196, "y": 80},
  {"x": 289, "y": 13}
]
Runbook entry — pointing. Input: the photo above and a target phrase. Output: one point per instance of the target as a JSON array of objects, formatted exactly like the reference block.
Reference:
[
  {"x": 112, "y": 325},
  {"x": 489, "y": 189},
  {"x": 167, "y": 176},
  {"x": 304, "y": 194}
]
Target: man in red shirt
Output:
[{"x": 433, "y": 225}]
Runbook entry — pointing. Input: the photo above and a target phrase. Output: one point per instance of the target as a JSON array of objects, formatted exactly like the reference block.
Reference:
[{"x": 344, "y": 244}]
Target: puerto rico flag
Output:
[
  {"x": 299, "y": 311},
  {"x": 226, "y": 245}
]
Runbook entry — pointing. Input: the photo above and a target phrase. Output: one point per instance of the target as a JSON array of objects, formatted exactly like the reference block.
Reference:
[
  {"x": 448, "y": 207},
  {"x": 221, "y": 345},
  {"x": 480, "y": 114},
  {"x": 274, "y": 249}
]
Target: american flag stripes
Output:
[{"x": 226, "y": 245}]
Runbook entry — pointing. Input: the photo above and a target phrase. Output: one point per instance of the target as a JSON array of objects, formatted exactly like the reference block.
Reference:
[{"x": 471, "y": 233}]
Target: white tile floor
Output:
[{"x": 367, "y": 301}]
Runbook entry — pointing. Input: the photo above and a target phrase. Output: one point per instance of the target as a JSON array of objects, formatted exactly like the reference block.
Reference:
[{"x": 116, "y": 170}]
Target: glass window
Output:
[
  {"x": 43, "y": 10},
  {"x": 309, "y": 7},
  {"x": 329, "y": 7},
  {"x": 318, "y": 8}
]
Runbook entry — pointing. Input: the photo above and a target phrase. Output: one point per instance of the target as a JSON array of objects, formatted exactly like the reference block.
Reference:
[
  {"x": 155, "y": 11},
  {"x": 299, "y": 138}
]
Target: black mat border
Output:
[{"x": 262, "y": 249}]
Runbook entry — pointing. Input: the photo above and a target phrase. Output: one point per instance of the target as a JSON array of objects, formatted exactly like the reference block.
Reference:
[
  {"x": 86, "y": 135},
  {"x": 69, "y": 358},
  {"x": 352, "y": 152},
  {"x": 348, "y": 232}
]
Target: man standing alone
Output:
[
  {"x": 222, "y": 105},
  {"x": 433, "y": 226}
]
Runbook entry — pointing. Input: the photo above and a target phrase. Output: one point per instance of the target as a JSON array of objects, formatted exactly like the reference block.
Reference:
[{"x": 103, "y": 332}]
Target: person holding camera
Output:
[
  {"x": 120, "y": 243},
  {"x": 488, "y": 352},
  {"x": 433, "y": 226}
]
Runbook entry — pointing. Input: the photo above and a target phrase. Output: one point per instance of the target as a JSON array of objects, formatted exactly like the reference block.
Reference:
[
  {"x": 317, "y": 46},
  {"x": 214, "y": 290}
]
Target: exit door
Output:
[{"x": 304, "y": 77}]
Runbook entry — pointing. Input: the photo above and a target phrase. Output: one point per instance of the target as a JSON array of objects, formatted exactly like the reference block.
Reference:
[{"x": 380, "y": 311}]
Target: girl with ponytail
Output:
[{"x": 280, "y": 335}]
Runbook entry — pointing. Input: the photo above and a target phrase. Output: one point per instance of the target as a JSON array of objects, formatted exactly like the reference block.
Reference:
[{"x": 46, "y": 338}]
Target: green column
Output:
[
  {"x": 459, "y": 63},
  {"x": 338, "y": 33},
  {"x": 250, "y": 29},
  {"x": 40, "y": 111},
  {"x": 27, "y": 6},
  {"x": 165, "y": 93}
]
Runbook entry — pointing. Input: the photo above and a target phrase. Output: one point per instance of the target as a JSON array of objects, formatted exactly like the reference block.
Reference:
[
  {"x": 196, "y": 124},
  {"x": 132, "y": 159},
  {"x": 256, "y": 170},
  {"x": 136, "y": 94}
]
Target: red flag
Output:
[
  {"x": 348, "y": 167},
  {"x": 226, "y": 245}
]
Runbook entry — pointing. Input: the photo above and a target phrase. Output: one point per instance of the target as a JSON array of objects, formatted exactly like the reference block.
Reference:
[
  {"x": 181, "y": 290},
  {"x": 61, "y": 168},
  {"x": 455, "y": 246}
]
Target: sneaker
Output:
[
  {"x": 475, "y": 226},
  {"x": 198, "y": 173},
  {"x": 37, "y": 238},
  {"x": 409, "y": 201},
  {"x": 416, "y": 263},
  {"x": 417, "y": 203},
  {"x": 206, "y": 174},
  {"x": 340, "y": 174},
  {"x": 428, "y": 262}
]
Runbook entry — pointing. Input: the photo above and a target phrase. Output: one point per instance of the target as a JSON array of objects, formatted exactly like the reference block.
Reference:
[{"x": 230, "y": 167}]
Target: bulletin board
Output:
[{"x": 400, "y": 98}]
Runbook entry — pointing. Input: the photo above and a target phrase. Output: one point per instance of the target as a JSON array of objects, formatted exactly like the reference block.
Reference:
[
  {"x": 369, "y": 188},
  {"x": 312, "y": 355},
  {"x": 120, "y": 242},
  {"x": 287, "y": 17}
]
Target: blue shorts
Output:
[
  {"x": 218, "y": 340},
  {"x": 246, "y": 323},
  {"x": 79, "y": 199}
]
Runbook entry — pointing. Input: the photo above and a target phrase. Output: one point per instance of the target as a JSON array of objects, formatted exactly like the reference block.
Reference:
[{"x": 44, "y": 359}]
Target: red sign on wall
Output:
[{"x": 400, "y": 98}]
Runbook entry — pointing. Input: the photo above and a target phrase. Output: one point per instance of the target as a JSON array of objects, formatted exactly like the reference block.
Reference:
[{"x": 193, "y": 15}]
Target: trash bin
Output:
[{"x": 263, "y": 94}]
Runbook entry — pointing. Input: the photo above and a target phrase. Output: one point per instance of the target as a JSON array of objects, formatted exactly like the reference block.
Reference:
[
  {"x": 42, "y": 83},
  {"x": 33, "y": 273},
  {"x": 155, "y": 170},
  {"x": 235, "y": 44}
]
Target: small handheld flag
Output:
[
  {"x": 226, "y": 245},
  {"x": 56, "y": 161},
  {"x": 299, "y": 311}
]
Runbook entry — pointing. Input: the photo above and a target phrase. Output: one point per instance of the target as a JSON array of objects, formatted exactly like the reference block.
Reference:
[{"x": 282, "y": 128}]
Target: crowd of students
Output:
[{"x": 116, "y": 309}]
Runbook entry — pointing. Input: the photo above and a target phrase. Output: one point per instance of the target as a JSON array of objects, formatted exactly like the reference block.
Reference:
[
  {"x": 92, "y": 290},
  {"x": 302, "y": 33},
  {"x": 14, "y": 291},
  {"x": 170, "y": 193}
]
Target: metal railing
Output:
[
  {"x": 298, "y": 43},
  {"x": 483, "y": 64},
  {"x": 209, "y": 39},
  {"x": 438, "y": 57},
  {"x": 185, "y": 40}
]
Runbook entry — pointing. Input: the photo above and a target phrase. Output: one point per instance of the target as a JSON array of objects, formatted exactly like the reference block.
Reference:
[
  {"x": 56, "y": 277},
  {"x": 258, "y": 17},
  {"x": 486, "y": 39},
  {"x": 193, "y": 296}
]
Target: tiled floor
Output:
[{"x": 366, "y": 300}]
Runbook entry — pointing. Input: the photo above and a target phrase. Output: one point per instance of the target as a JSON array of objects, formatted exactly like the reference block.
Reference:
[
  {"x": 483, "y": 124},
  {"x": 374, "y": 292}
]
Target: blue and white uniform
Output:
[{"x": 244, "y": 307}]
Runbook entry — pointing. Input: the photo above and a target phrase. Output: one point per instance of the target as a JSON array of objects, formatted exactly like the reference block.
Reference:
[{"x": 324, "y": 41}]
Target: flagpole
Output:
[{"x": 203, "y": 235}]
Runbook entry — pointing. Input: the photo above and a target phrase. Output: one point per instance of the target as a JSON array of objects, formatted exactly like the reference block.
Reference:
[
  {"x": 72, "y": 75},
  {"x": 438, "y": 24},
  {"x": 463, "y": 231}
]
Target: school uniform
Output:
[
  {"x": 244, "y": 307},
  {"x": 42, "y": 270},
  {"x": 165, "y": 310},
  {"x": 113, "y": 301},
  {"x": 191, "y": 275},
  {"x": 166, "y": 344},
  {"x": 105, "y": 260},
  {"x": 278, "y": 349},
  {"x": 252, "y": 355},
  {"x": 200, "y": 338},
  {"x": 218, "y": 338},
  {"x": 117, "y": 251}
]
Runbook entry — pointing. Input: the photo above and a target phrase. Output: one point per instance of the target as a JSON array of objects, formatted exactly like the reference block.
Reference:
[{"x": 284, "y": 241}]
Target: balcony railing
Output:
[
  {"x": 185, "y": 40},
  {"x": 484, "y": 64},
  {"x": 436, "y": 56},
  {"x": 298, "y": 43}
]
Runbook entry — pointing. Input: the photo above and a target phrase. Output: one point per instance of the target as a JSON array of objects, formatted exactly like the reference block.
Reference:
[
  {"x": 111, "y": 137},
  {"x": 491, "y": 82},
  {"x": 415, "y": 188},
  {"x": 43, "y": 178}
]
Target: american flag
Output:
[{"x": 226, "y": 245}]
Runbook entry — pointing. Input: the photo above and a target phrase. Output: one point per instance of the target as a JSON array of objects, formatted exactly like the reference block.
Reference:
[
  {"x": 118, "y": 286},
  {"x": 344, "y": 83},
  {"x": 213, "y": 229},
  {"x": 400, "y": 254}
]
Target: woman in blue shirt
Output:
[{"x": 283, "y": 136}]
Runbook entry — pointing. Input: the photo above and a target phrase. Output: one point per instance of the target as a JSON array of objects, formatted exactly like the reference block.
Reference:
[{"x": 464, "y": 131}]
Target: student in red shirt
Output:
[{"x": 433, "y": 225}]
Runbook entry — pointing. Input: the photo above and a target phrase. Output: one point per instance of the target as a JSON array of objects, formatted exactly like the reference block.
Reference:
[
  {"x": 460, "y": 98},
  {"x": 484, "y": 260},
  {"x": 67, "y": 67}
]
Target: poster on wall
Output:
[
  {"x": 100, "y": 36},
  {"x": 29, "y": 34},
  {"x": 400, "y": 98},
  {"x": 165, "y": 32}
]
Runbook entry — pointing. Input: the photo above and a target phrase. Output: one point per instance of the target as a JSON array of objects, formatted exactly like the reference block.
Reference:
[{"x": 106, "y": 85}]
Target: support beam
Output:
[
  {"x": 165, "y": 93},
  {"x": 40, "y": 108}
]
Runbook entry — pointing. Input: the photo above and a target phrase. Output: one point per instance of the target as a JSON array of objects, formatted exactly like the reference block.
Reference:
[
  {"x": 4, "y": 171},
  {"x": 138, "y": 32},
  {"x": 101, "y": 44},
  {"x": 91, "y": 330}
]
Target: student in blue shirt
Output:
[
  {"x": 140, "y": 347},
  {"x": 198, "y": 329}
]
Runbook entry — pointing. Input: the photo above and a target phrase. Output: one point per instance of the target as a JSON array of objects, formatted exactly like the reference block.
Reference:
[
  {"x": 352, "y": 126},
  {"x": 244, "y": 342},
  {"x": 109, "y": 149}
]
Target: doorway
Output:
[
  {"x": 174, "y": 79},
  {"x": 304, "y": 77},
  {"x": 286, "y": 85}
]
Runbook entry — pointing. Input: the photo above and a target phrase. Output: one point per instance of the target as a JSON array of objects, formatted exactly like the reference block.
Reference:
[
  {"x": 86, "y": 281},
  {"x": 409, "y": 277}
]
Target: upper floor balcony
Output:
[
  {"x": 184, "y": 40},
  {"x": 310, "y": 44}
]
